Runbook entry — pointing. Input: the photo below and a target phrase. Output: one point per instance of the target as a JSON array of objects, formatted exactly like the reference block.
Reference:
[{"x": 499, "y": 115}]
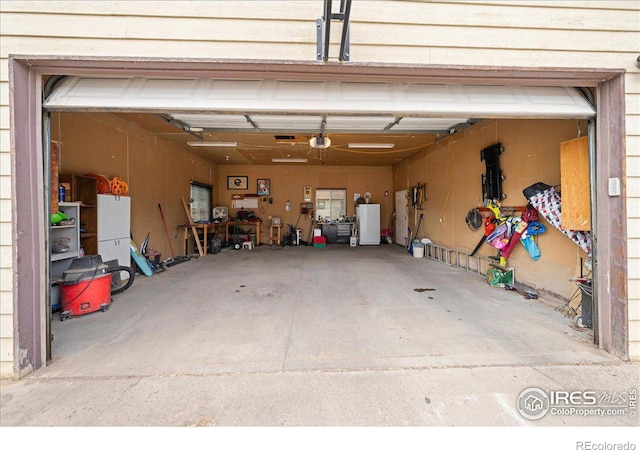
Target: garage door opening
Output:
[
  {"x": 450, "y": 186},
  {"x": 395, "y": 177},
  {"x": 532, "y": 158}
]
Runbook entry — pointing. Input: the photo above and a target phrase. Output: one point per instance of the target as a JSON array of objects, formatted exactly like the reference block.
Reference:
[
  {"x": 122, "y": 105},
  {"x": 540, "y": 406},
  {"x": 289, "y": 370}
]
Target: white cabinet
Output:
[
  {"x": 65, "y": 239},
  {"x": 114, "y": 224}
]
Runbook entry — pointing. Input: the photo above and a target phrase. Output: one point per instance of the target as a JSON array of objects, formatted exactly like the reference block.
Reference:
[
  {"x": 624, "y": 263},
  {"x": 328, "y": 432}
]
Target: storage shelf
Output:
[
  {"x": 84, "y": 193},
  {"x": 59, "y": 262},
  {"x": 63, "y": 255}
]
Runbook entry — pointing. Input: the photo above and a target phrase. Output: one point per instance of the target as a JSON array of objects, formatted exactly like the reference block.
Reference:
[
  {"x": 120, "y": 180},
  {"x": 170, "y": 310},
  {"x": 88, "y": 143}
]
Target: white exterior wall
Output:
[{"x": 590, "y": 34}]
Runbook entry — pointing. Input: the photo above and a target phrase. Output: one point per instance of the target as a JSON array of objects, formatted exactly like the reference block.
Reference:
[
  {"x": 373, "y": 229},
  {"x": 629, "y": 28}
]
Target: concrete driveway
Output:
[{"x": 338, "y": 336}]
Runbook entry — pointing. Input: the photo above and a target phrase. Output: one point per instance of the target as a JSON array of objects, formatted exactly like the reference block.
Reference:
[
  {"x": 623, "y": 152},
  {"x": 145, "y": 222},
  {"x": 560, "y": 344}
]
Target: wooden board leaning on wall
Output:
[{"x": 574, "y": 179}]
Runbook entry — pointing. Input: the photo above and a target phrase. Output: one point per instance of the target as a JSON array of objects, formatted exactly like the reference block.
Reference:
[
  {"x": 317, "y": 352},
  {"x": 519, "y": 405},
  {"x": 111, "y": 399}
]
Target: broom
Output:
[{"x": 415, "y": 234}]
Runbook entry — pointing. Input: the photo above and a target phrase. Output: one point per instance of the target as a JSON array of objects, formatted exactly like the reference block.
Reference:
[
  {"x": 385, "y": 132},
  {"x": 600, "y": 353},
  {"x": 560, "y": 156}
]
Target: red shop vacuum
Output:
[{"x": 87, "y": 286}]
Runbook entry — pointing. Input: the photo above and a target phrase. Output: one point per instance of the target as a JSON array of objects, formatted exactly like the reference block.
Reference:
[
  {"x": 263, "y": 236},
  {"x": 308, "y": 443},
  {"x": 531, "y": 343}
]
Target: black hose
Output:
[{"x": 129, "y": 282}]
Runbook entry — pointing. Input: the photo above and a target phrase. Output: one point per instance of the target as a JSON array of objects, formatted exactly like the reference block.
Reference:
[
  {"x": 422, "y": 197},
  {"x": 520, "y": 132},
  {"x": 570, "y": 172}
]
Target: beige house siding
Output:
[
  {"x": 593, "y": 34},
  {"x": 6, "y": 230}
]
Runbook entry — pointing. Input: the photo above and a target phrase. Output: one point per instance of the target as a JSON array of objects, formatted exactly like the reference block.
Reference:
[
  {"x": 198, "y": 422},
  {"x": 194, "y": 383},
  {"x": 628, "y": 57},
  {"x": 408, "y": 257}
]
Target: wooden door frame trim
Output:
[{"x": 27, "y": 74}]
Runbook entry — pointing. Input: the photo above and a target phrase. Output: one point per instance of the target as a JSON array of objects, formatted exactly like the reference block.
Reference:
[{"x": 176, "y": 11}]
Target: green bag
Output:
[{"x": 497, "y": 277}]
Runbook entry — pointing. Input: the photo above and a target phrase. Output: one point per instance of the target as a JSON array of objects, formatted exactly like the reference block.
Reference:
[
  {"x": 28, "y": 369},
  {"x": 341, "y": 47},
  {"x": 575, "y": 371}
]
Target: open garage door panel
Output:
[{"x": 316, "y": 106}]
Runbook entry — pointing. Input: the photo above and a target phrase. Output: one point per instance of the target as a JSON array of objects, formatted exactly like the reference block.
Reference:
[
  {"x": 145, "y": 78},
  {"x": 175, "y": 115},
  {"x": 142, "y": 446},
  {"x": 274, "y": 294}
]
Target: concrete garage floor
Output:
[{"x": 304, "y": 336}]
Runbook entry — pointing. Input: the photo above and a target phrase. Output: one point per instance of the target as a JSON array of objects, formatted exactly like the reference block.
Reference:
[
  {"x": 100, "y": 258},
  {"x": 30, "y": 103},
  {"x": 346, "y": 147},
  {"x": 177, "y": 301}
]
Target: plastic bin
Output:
[
  {"x": 215, "y": 245},
  {"x": 586, "y": 302},
  {"x": 418, "y": 249},
  {"x": 319, "y": 241},
  {"x": 55, "y": 296}
]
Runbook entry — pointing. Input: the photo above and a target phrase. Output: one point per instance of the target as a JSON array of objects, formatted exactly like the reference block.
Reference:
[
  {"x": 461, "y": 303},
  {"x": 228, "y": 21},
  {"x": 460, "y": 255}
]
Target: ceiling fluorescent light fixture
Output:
[
  {"x": 212, "y": 144},
  {"x": 365, "y": 145},
  {"x": 289, "y": 160}
]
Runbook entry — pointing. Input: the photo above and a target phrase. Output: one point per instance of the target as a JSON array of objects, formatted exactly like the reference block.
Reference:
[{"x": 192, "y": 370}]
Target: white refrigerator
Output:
[{"x": 368, "y": 217}]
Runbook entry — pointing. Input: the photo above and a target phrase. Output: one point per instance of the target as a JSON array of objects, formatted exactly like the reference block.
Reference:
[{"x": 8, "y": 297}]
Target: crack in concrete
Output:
[
  {"x": 293, "y": 316},
  {"x": 334, "y": 370}
]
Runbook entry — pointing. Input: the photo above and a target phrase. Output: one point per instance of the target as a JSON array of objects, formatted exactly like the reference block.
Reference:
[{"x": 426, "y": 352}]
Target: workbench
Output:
[
  {"x": 242, "y": 223},
  {"x": 337, "y": 232},
  {"x": 198, "y": 226}
]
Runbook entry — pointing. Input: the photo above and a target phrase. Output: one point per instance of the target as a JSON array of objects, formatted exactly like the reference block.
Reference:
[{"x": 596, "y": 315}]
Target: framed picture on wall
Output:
[
  {"x": 237, "y": 183},
  {"x": 264, "y": 187}
]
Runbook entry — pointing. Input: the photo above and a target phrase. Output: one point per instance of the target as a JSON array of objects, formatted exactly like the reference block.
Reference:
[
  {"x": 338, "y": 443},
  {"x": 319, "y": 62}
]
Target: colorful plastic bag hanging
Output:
[
  {"x": 499, "y": 238},
  {"x": 531, "y": 247}
]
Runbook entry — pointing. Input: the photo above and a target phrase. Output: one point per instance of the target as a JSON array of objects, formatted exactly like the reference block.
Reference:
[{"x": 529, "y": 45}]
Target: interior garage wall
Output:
[
  {"x": 287, "y": 183},
  {"x": 452, "y": 171},
  {"x": 157, "y": 171}
]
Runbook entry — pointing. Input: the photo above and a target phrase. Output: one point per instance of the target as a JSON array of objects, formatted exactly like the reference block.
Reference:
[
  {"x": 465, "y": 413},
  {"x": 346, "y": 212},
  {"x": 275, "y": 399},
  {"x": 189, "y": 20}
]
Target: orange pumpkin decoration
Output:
[
  {"x": 104, "y": 187},
  {"x": 119, "y": 186}
]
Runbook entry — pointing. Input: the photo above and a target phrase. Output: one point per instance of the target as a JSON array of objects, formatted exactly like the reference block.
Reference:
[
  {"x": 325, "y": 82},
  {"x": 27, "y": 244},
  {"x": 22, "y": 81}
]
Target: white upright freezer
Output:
[{"x": 368, "y": 217}]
